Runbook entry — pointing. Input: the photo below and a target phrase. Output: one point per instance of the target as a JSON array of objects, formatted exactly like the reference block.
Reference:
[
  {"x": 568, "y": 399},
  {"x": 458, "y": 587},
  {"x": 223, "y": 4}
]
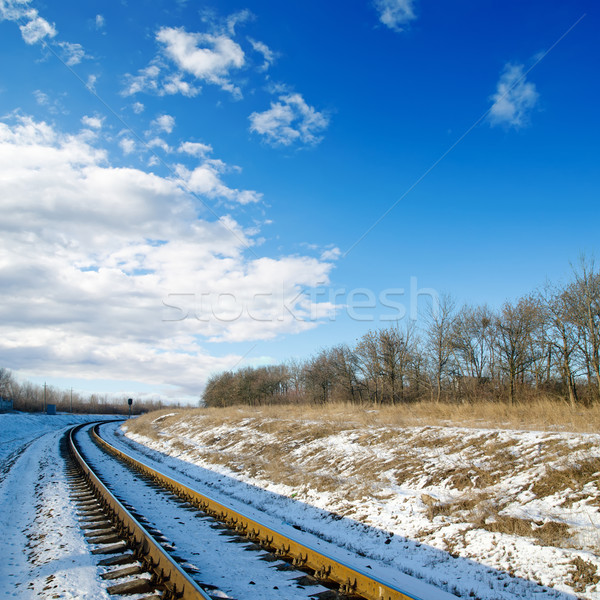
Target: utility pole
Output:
[{"x": 71, "y": 399}]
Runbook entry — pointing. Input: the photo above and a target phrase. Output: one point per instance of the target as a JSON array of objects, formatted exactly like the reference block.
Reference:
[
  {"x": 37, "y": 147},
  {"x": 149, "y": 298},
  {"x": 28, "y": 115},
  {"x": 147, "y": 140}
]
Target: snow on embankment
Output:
[{"x": 521, "y": 505}]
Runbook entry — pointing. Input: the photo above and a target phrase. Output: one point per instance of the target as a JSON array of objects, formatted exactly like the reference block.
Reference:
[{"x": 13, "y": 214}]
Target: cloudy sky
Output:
[{"x": 188, "y": 187}]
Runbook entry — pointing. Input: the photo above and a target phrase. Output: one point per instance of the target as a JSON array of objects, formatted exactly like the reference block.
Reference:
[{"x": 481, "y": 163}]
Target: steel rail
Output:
[
  {"x": 177, "y": 582},
  {"x": 349, "y": 579}
]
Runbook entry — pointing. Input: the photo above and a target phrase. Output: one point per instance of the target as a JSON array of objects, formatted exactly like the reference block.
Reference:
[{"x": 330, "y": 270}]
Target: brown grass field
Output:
[{"x": 536, "y": 415}]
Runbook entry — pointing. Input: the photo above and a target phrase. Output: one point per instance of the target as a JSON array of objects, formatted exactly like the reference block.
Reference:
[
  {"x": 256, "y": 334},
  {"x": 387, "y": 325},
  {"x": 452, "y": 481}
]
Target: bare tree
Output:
[
  {"x": 416, "y": 368},
  {"x": 563, "y": 336},
  {"x": 221, "y": 390},
  {"x": 7, "y": 383},
  {"x": 396, "y": 350},
  {"x": 344, "y": 363},
  {"x": 584, "y": 297},
  {"x": 294, "y": 369},
  {"x": 369, "y": 364},
  {"x": 472, "y": 340},
  {"x": 534, "y": 343},
  {"x": 440, "y": 324},
  {"x": 472, "y": 344},
  {"x": 319, "y": 377},
  {"x": 515, "y": 325}
]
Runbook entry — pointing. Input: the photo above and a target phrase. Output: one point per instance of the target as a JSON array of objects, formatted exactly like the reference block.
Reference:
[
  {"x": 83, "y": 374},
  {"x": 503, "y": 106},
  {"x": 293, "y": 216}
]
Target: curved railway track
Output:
[
  {"x": 141, "y": 553},
  {"x": 118, "y": 532}
]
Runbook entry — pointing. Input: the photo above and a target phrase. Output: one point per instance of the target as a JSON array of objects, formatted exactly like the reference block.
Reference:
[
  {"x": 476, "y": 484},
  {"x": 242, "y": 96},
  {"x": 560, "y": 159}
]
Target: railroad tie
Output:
[{"x": 135, "y": 586}]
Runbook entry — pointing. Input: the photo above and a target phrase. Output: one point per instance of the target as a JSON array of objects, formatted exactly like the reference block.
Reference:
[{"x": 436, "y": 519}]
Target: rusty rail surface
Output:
[
  {"x": 350, "y": 580},
  {"x": 177, "y": 582}
]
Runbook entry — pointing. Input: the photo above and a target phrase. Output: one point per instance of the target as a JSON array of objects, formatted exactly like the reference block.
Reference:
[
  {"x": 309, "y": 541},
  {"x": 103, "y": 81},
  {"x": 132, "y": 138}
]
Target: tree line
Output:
[
  {"x": 30, "y": 397},
  {"x": 543, "y": 345}
]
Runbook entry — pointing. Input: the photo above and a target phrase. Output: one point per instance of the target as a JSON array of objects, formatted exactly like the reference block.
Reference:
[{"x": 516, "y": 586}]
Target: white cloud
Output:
[
  {"x": 52, "y": 105},
  {"x": 207, "y": 57},
  {"x": 72, "y": 53},
  {"x": 127, "y": 145},
  {"x": 268, "y": 54},
  {"x": 289, "y": 121},
  {"x": 175, "y": 84},
  {"x": 186, "y": 59},
  {"x": 91, "y": 82},
  {"x": 108, "y": 273},
  {"x": 395, "y": 14},
  {"x": 138, "y": 107},
  {"x": 100, "y": 22},
  {"x": 156, "y": 79},
  {"x": 145, "y": 81},
  {"x": 158, "y": 142},
  {"x": 195, "y": 149},
  {"x": 206, "y": 180},
  {"x": 241, "y": 16},
  {"x": 36, "y": 30},
  {"x": 164, "y": 123},
  {"x": 41, "y": 98},
  {"x": 514, "y": 99},
  {"x": 331, "y": 254},
  {"x": 93, "y": 122}
]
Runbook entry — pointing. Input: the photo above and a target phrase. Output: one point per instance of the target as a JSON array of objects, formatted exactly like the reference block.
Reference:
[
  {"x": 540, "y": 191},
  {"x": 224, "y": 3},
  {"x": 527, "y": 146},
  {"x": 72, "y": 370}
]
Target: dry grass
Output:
[
  {"x": 584, "y": 574},
  {"x": 484, "y": 513},
  {"x": 573, "y": 476},
  {"x": 536, "y": 415},
  {"x": 287, "y": 429},
  {"x": 462, "y": 478},
  {"x": 463, "y": 505},
  {"x": 549, "y": 533}
]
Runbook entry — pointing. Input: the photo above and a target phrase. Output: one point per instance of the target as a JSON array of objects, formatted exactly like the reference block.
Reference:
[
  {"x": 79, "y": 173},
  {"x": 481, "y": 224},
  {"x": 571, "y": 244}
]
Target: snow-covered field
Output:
[
  {"x": 44, "y": 553},
  {"x": 482, "y": 513}
]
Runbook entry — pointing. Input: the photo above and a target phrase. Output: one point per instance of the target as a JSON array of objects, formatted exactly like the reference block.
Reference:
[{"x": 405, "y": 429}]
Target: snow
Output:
[
  {"x": 18, "y": 429},
  {"x": 195, "y": 540},
  {"x": 385, "y": 497},
  {"x": 255, "y": 508},
  {"x": 44, "y": 552},
  {"x": 386, "y": 500}
]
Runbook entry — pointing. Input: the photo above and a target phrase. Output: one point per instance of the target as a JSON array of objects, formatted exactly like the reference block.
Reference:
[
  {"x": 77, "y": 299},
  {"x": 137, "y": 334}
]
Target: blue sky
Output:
[{"x": 189, "y": 187}]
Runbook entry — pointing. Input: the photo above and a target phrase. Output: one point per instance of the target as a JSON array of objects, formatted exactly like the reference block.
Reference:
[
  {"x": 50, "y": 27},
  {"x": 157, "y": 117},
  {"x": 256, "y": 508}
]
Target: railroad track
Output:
[
  {"x": 143, "y": 555},
  {"x": 131, "y": 549}
]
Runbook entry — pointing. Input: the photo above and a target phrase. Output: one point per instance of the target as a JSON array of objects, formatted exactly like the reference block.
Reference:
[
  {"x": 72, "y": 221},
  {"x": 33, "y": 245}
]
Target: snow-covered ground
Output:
[
  {"x": 18, "y": 429},
  {"x": 254, "y": 503},
  {"x": 212, "y": 555},
  {"x": 479, "y": 512},
  {"x": 44, "y": 553}
]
